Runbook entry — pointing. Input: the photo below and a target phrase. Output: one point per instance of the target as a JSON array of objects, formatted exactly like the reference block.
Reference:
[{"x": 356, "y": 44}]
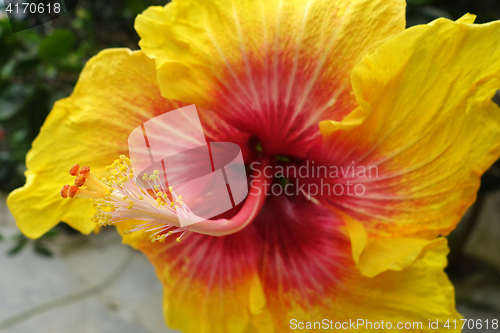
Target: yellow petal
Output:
[
  {"x": 199, "y": 40},
  {"x": 352, "y": 120},
  {"x": 374, "y": 255},
  {"x": 211, "y": 284},
  {"x": 467, "y": 18},
  {"x": 117, "y": 91},
  {"x": 412, "y": 296},
  {"x": 431, "y": 130},
  {"x": 239, "y": 283},
  {"x": 415, "y": 294},
  {"x": 264, "y": 65}
]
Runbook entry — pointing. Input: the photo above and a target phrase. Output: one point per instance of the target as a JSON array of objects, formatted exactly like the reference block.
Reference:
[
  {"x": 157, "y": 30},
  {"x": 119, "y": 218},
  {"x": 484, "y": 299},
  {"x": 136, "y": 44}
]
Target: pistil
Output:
[{"x": 123, "y": 196}]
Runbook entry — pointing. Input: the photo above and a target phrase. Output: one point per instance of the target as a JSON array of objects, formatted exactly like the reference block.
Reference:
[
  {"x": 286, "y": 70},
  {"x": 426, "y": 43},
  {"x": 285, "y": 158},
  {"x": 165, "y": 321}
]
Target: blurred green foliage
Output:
[
  {"x": 424, "y": 11},
  {"x": 41, "y": 65},
  {"x": 39, "y": 245}
]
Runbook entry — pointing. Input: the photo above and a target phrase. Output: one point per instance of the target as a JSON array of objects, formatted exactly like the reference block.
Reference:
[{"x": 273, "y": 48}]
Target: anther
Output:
[
  {"x": 80, "y": 180},
  {"x": 75, "y": 170},
  {"x": 65, "y": 191},
  {"x": 84, "y": 170},
  {"x": 72, "y": 191}
]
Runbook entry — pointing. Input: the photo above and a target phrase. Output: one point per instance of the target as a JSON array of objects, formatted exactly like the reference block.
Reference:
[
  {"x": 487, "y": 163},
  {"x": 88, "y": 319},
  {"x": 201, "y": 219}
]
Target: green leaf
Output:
[
  {"x": 42, "y": 250},
  {"x": 51, "y": 233},
  {"x": 13, "y": 99},
  {"x": 21, "y": 243},
  {"x": 1, "y": 237},
  {"x": 57, "y": 45}
]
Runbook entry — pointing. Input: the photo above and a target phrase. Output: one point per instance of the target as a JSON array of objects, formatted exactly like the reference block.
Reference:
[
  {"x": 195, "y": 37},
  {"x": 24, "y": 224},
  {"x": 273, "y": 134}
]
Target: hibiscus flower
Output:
[{"x": 335, "y": 83}]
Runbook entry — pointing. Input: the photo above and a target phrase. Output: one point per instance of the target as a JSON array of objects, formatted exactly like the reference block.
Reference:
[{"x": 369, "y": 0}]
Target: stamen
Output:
[
  {"x": 64, "y": 191},
  {"x": 122, "y": 197},
  {"x": 179, "y": 238}
]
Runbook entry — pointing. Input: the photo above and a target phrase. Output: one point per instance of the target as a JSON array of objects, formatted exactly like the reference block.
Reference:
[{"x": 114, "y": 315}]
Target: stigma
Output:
[{"x": 124, "y": 196}]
